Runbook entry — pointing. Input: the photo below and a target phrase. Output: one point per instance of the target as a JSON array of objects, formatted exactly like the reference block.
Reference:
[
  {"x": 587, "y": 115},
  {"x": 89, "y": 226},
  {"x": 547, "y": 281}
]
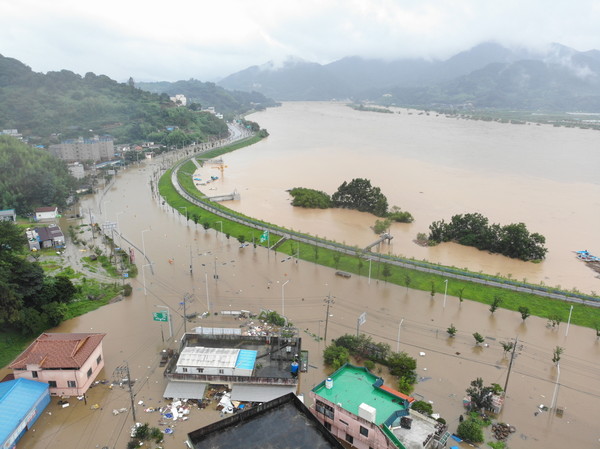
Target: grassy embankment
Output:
[{"x": 539, "y": 306}]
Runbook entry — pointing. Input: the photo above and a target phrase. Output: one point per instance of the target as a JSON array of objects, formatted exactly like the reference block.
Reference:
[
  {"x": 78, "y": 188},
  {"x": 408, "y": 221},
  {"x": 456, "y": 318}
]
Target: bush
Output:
[
  {"x": 470, "y": 430},
  {"x": 422, "y": 407},
  {"x": 127, "y": 290},
  {"x": 369, "y": 364}
]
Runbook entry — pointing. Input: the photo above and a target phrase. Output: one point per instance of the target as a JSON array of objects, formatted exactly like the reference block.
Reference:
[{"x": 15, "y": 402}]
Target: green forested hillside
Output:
[
  {"x": 31, "y": 177},
  {"x": 55, "y": 106},
  {"x": 224, "y": 101}
]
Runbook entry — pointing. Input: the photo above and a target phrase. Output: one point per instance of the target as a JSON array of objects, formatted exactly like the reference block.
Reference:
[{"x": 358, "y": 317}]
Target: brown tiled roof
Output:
[
  {"x": 46, "y": 209},
  {"x": 58, "y": 351}
]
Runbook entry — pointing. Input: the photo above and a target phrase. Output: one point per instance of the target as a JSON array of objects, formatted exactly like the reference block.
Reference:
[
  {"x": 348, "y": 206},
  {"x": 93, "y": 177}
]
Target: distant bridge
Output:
[
  {"x": 235, "y": 195},
  {"x": 385, "y": 236}
]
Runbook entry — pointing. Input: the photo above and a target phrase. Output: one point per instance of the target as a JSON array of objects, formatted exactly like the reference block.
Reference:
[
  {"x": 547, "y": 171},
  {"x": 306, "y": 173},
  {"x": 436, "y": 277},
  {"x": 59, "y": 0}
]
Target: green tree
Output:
[
  {"x": 360, "y": 195},
  {"x": 470, "y": 430},
  {"x": 336, "y": 259},
  {"x": 381, "y": 226},
  {"x": 451, "y": 330},
  {"x": 554, "y": 320},
  {"x": 242, "y": 239},
  {"x": 556, "y": 354},
  {"x": 478, "y": 338},
  {"x": 335, "y": 356},
  {"x": 507, "y": 346},
  {"x": 310, "y": 198},
  {"x": 422, "y": 407},
  {"x": 495, "y": 304},
  {"x": 524, "y": 311},
  {"x": 407, "y": 280},
  {"x": 206, "y": 225},
  {"x": 402, "y": 365},
  {"x": 480, "y": 395},
  {"x": 387, "y": 271}
]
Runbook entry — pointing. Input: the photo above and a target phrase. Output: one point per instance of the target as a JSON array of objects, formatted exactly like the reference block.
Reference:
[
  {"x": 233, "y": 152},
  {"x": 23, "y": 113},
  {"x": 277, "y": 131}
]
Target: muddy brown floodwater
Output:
[{"x": 253, "y": 279}]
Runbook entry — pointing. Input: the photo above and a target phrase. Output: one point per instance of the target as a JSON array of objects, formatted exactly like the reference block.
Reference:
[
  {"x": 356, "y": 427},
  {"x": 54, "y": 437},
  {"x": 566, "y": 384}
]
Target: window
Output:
[
  {"x": 364, "y": 431},
  {"x": 324, "y": 409},
  {"x": 349, "y": 438},
  {"x": 200, "y": 370},
  {"x": 343, "y": 422},
  {"x": 71, "y": 384},
  {"x": 52, "y": 383},
  {"x": 34, "y": 374},
  {"x": 327, "y": 425},
  {"x": 99, "y": 359},
  {"x": 221, "y": 371},
  {"x": 89, "y": 373},
  {"x": 184, "y": 370}
]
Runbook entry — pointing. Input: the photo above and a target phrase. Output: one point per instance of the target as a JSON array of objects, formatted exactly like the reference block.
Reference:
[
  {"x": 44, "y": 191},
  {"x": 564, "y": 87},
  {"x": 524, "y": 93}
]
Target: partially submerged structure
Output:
[
  {"x": 355, "y": 406},
  {"x": 255, "y": 368},
  {"x": 281, "y": 422},
  {"x": 68, "y": 363},
  {"x": 21, "y": 403}
]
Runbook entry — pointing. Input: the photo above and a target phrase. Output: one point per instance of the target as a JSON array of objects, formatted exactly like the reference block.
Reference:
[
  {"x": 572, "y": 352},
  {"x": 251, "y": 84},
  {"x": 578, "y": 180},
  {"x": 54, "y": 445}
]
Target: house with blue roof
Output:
[{"x": 21, "y": 403}]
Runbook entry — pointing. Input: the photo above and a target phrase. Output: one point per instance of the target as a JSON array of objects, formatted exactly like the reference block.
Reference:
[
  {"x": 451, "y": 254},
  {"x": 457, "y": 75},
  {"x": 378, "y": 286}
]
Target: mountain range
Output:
[{"x": 489, "y": 75}]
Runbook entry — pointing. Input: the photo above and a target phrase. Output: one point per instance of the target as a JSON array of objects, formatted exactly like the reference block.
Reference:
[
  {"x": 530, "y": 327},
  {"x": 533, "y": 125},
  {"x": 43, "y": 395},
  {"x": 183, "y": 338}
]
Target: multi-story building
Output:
[
  {"x": 68, "y": 363},
  {"x": 356, "y": 407},
  {"x": 95, "y": 149}
]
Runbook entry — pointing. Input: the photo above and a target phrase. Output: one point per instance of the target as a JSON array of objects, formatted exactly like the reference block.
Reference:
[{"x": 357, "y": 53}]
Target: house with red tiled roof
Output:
[{"x": 68, "y": 363}]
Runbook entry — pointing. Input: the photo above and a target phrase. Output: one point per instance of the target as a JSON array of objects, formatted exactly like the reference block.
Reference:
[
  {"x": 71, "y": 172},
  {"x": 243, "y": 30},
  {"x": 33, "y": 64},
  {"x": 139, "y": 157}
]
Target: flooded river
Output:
[{"x": 406, "y": 319}]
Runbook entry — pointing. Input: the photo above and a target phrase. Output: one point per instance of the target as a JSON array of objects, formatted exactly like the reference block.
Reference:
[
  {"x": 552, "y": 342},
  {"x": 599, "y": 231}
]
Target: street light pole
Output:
[
  {"x": 445, "y": 291},
  {"x": 370, "y": 260},
  {"x": 283, "y": 297},
  {"x": 221, "y": 228},
  {"x": 144, "y": 276},
  {"x": 398, "y": 341}
]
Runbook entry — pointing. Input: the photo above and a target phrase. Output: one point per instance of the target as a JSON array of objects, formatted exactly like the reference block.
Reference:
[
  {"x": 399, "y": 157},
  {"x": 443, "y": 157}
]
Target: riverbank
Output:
[{"x": 381, "y": 266}]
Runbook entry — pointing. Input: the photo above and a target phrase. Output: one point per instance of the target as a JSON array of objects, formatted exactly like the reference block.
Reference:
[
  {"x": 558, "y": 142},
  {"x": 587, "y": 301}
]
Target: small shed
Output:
[
  {"x": 22, "y": 401},
  {"x": 46, "y": 213},
  {"x": 8, "y": 215}
]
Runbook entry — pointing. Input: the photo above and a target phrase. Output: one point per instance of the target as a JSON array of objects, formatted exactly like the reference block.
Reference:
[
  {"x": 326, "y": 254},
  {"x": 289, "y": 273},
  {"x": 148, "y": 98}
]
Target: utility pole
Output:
[
  {"x": 328, "y": 301},
  {"x": 122, "y": 373},
  {"x": 512, "y": 357}
]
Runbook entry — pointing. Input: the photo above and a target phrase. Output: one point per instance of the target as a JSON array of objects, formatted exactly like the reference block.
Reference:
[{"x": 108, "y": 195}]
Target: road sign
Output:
[
  {"x": 362, "y": 319},
  {"x": 160, "y": 316},
  {"x": 125, "y": 275}
]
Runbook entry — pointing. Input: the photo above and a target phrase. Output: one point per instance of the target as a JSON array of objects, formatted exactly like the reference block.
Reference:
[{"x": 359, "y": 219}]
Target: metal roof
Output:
[
  {"x": 200, "y": 356},
  {"x": 259, "y": 393},
  {"x": 17, "y": 397},
  {"x": 184, "y": 390}
]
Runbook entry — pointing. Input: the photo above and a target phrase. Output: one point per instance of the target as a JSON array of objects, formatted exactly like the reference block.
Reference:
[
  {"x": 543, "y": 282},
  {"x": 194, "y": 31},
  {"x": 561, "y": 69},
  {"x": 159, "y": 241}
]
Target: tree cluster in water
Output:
[
  {"x": 513, "y": 240},
  {"x": 362, "y": 347},
  {"x": 357, "y": 194}
]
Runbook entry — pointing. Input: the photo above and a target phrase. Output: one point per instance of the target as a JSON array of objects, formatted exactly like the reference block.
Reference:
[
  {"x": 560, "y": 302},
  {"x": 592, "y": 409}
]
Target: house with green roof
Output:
[{"x": 355, "y": 406}]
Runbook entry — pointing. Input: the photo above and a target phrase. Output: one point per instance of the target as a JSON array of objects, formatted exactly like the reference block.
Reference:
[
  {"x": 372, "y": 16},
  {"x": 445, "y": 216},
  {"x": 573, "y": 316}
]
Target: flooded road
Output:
[{"x": 253, "y": 279}]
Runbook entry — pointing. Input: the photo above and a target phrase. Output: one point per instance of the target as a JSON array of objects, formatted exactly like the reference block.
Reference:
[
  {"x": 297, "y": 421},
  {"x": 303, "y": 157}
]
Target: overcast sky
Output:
[{"x": 209, "y": 39}]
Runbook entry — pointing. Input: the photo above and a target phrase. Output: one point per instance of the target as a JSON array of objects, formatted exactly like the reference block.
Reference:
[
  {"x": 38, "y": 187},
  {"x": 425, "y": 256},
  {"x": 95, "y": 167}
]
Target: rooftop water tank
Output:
[{"x": 329, "y": 383}]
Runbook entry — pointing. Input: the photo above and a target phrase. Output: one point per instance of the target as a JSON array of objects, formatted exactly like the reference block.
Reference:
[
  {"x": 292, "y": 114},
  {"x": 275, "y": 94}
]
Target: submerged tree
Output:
[{"x": 524, "y": 311}]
